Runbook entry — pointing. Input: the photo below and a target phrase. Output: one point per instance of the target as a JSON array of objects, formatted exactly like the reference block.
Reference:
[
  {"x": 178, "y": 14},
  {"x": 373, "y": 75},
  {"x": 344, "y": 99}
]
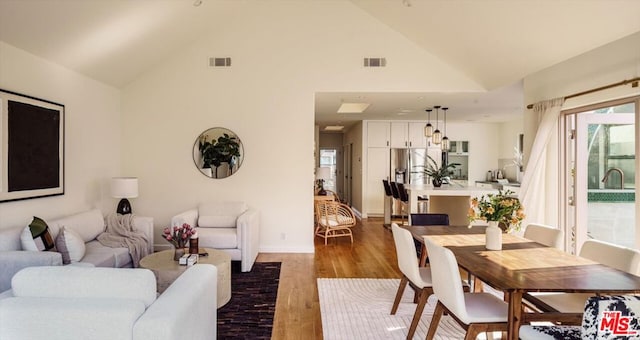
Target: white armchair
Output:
[{"x": 228, "y": 226}]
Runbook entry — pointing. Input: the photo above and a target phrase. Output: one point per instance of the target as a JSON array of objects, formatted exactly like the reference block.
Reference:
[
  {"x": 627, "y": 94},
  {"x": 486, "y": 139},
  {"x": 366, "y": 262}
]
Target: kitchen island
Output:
[{"x": 447, "y": 199}]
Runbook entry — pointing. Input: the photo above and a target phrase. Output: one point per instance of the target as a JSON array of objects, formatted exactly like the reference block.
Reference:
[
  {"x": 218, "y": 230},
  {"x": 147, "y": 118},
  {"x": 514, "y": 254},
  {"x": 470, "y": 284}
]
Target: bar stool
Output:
[
  {"x": 404, "y": 200},
  {"x": 388, "y": 201}
]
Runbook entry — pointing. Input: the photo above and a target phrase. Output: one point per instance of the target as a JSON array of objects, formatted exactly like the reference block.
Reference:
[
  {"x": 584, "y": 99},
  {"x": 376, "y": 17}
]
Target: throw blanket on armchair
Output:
[{"x": 120, "y": 233}]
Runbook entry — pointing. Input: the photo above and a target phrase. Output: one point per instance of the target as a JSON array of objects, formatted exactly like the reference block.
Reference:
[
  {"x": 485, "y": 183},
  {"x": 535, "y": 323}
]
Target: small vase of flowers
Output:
[
  {"x": 179, "y": 237},
  {"x": 503, "y": 212}
]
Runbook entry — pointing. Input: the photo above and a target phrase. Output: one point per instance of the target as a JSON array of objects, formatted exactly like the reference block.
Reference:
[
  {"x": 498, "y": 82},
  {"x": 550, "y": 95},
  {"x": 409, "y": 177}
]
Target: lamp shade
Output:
[
  {"x": 124, "y": 187},
  {"x": 446, "y": 144},
  {"x": 437, "y": 137},
  {"x": 428, "y": 130},
  {"x": 323, "y": 172}
]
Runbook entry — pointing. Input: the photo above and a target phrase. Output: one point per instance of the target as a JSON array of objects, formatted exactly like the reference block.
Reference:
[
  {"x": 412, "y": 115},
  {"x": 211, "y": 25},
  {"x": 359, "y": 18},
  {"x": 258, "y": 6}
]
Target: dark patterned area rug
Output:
[{"x": 249, "y": 313}]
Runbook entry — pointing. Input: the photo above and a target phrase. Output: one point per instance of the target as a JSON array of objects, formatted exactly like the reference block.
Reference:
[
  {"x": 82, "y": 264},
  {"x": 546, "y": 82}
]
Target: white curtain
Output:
[{"x": 532, "y": 190}]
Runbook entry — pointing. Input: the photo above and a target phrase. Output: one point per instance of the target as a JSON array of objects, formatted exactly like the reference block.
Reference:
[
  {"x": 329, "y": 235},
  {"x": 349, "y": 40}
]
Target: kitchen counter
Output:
[
  {"x": 451, "y": 200},
  {"x": 496, "y": 185}
]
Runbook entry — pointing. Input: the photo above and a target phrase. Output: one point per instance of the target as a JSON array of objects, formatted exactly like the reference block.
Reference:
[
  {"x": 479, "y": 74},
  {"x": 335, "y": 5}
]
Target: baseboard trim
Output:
[{"x": 303, "y": 250}]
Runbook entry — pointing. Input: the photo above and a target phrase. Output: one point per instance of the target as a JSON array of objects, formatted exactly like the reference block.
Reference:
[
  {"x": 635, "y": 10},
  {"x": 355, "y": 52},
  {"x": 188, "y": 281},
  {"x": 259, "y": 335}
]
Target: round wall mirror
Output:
[{"x": 218, "y": 153}]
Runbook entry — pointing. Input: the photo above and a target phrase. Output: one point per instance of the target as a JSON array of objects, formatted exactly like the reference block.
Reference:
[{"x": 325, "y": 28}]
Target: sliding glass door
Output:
[{"x": 600, "y": 175}]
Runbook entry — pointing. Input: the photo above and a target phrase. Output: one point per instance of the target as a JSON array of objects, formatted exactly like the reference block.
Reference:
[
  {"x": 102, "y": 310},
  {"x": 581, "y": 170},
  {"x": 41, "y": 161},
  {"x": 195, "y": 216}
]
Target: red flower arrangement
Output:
[{"x": 179, "y": 236}]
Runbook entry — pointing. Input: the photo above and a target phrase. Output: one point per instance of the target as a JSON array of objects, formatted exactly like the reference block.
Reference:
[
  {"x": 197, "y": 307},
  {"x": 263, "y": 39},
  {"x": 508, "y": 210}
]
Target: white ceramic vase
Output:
[
  {"x": 493, "y": 236},
  {"x": 206, "y": 171}
]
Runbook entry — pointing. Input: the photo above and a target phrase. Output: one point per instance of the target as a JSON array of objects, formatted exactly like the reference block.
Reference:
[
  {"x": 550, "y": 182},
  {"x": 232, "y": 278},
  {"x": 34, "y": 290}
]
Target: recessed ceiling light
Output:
[
  {"x": 353, "y": 107},
  {"x": 402, "y": 113},
  {"x": 406, "y": 111},
  {"x": 333, "y": 128}
]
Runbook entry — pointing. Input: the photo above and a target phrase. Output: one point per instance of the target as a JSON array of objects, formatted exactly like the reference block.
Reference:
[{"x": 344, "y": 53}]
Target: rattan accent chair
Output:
[
  {"x": 334, "y": 219},
  {"x": 335, "y": 195}
]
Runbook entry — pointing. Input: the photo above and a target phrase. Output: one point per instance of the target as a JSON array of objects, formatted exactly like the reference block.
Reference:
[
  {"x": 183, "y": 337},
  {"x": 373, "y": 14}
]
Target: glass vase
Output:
[{"x": 177, "y": 253}]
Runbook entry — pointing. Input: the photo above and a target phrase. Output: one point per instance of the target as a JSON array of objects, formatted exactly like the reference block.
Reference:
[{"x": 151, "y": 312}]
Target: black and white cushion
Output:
[{"x": 605, "y": 317}]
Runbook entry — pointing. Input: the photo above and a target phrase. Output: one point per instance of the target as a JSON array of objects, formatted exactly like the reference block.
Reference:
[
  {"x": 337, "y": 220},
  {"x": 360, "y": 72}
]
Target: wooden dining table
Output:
[{"x": 524, "y": 266}]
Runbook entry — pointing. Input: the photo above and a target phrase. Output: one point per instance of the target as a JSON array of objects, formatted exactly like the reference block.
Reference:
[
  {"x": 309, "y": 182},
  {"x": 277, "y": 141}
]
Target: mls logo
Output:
[{"x": 616, "y": 323}]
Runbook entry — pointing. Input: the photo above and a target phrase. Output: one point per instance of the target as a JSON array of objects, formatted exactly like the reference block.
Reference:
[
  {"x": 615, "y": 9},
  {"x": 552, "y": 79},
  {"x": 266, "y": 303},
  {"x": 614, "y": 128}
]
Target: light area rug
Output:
[{"x": 360, "y": 309}]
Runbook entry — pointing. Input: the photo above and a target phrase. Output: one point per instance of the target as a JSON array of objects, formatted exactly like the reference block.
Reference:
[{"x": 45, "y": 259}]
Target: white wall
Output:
[
  {"x": 609, "y": 64},
  {"x": 92, "y": 135},
  {"x": 282, "y": 55},
  {"x": 509, "y": 136},
  {"x": 509, "y": 132},
  {"x": 331, "y": 140},
  {"x": 484, "y": 140}
]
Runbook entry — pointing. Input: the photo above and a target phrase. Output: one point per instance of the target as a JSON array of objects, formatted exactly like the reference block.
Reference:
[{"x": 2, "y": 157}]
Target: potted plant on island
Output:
[{"x": 437, "y": 173}]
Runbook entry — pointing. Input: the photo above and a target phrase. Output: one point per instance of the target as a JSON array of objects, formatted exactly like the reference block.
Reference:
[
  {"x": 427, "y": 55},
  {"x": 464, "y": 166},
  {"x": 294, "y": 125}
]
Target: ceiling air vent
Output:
[
  {"x": 219, "y": 62},
  {"x": 375, "y": 62}
]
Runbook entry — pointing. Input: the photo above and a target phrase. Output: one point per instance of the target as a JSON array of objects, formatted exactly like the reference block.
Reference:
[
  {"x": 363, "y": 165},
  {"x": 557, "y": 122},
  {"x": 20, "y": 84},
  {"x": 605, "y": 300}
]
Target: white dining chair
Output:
[
  {"x": 420, "y": 277},
  {"x": 612, "y": 255},
  {"x": 544, "y": 234},
  {"x": 475, "y": 312}
]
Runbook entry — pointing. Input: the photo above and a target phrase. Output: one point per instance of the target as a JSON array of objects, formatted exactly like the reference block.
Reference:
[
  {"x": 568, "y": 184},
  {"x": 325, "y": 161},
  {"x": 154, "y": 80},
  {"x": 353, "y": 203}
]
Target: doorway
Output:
[
  {"x": 600, "y": 173},
  {"x": 347, "y": 151},
  {"x": 329, "y": 159}
]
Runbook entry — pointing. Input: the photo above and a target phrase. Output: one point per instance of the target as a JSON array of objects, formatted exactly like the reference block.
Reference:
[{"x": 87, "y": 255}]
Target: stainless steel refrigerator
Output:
[{"x": 407, "y": 167}]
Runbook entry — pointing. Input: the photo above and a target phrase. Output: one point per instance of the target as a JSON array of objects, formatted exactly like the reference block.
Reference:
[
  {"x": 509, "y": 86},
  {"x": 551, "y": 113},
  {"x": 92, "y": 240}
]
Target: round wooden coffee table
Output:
[{"x": 167, "y": 270}]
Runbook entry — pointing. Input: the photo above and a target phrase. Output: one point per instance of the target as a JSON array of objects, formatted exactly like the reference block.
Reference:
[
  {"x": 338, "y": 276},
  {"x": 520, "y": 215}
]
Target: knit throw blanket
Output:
[{"x": 121, "y": 233}]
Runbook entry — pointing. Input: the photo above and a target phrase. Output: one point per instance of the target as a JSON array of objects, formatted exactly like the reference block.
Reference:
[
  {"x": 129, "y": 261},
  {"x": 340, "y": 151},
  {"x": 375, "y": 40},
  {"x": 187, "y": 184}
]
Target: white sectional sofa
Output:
[
  {"x": 69, "y": 302},
  {"x": 88, "y": 225}
]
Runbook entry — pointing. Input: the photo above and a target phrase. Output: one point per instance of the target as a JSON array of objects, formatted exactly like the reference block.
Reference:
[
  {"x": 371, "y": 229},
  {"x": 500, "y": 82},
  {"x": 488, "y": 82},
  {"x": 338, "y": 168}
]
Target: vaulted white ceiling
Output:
[{"x": 494, "y": 42}]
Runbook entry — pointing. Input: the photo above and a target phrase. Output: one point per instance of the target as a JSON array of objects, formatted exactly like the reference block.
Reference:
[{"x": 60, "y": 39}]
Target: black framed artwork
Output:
[{"x": 31, "y": 147}]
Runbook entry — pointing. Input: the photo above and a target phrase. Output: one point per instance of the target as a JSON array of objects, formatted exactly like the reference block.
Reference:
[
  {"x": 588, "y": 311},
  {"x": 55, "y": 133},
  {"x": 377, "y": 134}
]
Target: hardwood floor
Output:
[{"x": 372, "y": 255}]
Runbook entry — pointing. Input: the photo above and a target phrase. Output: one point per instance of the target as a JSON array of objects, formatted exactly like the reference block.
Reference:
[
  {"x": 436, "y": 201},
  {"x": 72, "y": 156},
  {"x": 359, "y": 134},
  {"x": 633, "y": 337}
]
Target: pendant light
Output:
[
  {"x": 445, "y": 139},
  {"x": 428, "y": 129},
  {"x": 437, "y": 135}
]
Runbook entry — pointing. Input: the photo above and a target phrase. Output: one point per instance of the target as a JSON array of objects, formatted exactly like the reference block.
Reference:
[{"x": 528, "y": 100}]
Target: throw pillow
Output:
[
  {"x": 36, "y": 236},
  {"x": 70, "y": 245}
]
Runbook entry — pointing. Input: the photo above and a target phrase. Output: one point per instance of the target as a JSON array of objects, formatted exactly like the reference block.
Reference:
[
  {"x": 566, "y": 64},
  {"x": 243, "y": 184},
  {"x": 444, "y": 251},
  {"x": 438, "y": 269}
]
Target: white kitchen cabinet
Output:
[
  {"x": 408, "y": 135},
  {"x": 416, "y": 135},
  {"x": 486, "y": 185},
  {"x": 377, "y": 169},
  {"x": 514, "y": 188},
  {"x": 399, "y": 135},
  {"x": 459, "y": 147},
  {"x": 378, "y": 134},
  {"x": 381, "y": 136}
]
